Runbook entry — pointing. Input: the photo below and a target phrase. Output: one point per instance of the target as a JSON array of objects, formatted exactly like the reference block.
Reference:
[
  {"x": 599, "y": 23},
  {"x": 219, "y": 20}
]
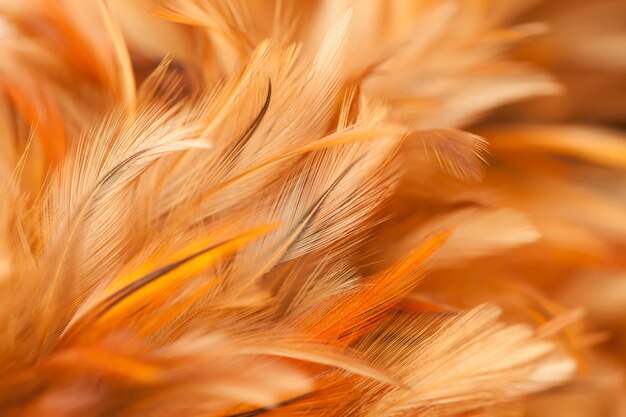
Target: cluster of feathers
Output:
[{"x": 337, "y": 208}]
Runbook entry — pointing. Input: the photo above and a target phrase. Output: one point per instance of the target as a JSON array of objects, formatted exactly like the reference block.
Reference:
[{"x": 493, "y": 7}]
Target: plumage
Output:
[{"x": 310, "y": 208}]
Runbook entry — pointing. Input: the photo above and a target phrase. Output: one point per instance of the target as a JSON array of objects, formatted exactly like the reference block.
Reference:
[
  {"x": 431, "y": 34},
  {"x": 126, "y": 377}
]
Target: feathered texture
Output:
[{"x": 311, "y": 208}]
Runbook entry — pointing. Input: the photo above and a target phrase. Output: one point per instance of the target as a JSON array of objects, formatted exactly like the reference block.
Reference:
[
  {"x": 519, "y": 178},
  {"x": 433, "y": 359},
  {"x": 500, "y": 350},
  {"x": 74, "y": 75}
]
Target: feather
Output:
[
  {"x": 276, "y": 207},
  {"x": 460, "y": 154}
]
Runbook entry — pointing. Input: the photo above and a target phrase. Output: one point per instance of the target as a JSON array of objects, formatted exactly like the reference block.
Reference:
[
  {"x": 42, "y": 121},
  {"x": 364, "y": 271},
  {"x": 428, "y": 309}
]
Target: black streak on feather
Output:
[
  {"x": 313, "y": 211},
  {"x": 103, "y": 307},
  {"x": 259, "y": 411},
  {"x": 233, "y": 152}
]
